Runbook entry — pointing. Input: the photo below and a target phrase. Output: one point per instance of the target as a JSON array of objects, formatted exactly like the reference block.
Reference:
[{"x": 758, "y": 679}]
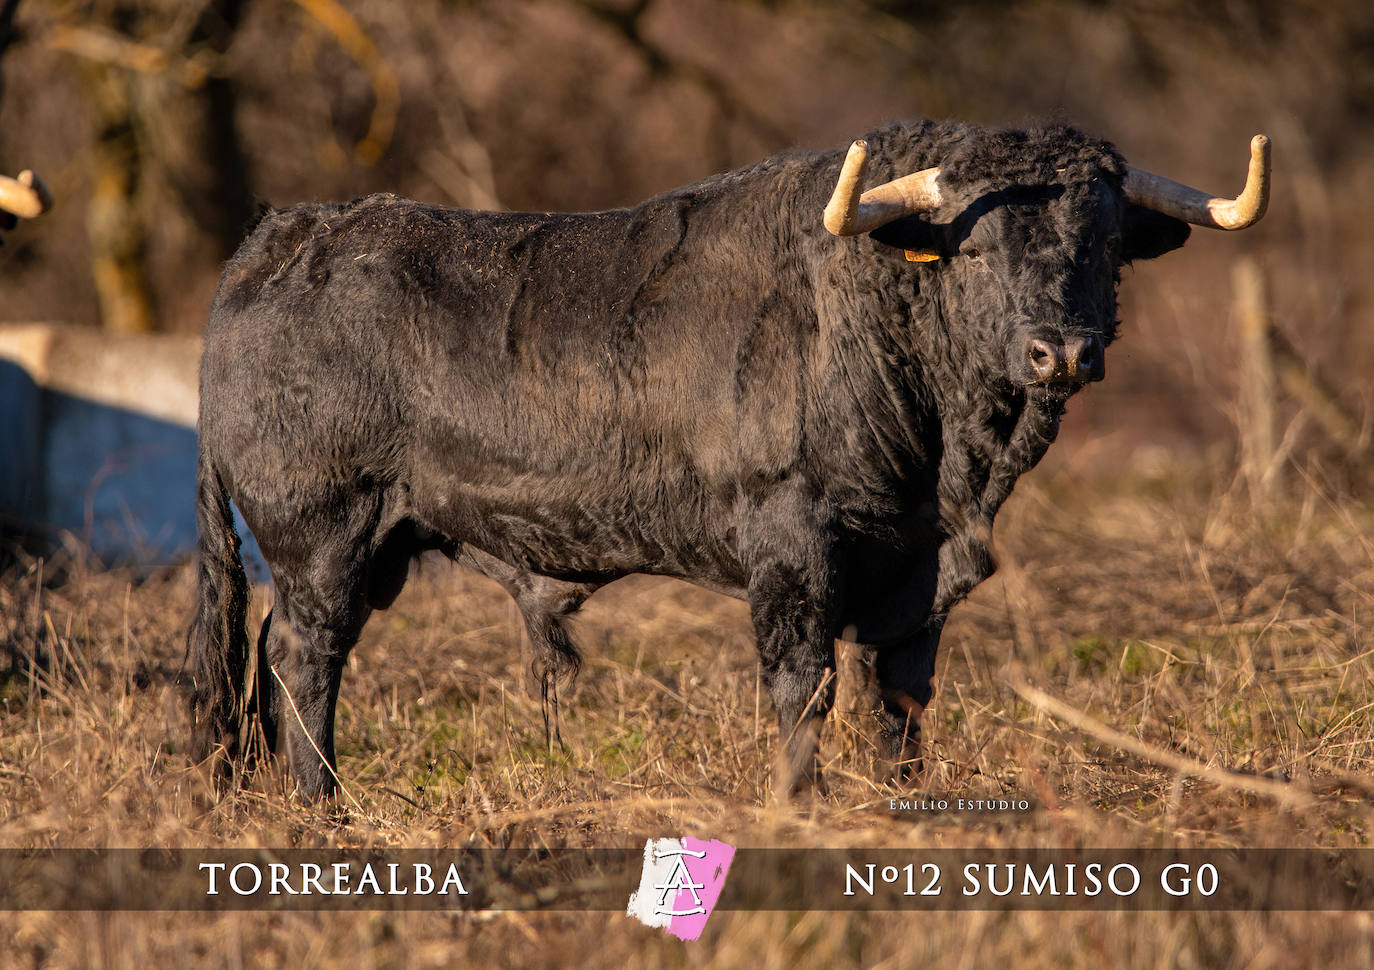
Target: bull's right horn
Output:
[
  {"x": 1182, "y": 202},
  {"x": 26, "y": 196},
  {"x": 849, "y": 213}
]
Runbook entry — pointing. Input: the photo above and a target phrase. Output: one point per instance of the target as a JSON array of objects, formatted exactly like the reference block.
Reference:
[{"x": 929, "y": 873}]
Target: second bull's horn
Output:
[
  {"x": 26, "y": 196},
  {"x": 1182, "y": 202},
  {"x": 852, "y": 211}
]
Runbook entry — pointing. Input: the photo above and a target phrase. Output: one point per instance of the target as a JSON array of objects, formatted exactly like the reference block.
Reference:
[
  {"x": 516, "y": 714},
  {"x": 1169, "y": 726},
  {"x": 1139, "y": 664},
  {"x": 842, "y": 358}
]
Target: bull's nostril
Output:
[
  {"x": 1045, "y": 359},
  {"x": 1042, "y": 352}
]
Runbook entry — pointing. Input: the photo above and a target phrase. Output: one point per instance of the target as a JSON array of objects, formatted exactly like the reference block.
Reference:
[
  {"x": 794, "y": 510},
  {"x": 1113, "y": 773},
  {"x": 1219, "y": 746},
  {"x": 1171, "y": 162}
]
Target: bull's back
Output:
[{"x": 519, "y": 369}]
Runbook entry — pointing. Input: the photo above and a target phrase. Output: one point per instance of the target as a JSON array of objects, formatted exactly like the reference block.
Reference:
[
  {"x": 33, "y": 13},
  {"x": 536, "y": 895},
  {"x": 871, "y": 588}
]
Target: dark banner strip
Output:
[
  {"x": 759, "y": 879},
  {"x": 1052, "y": 879}
]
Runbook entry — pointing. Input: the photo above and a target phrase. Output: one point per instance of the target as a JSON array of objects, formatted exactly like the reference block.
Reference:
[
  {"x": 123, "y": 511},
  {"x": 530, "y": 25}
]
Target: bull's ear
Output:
[
  {"x": 909, "y": 232},
  {"x": 1149, "y": 234}
]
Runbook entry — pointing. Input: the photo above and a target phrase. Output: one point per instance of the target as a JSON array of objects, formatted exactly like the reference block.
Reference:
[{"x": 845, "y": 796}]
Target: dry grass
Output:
[{"x": 1157, "y": 663}]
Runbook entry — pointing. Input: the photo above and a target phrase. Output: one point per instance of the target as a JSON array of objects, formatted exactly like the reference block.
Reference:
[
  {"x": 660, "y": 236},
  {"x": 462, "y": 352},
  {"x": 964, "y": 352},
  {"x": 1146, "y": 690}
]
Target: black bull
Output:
[{"x": 708, "y": 385}]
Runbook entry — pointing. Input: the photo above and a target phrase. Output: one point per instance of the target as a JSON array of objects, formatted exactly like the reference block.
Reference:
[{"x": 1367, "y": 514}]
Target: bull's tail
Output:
[{"x": 218, "y": 638}]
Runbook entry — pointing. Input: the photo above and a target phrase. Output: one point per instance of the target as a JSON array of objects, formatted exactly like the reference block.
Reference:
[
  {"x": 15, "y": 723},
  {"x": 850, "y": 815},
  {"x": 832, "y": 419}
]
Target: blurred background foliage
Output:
[{"x": 160, "y": 123}]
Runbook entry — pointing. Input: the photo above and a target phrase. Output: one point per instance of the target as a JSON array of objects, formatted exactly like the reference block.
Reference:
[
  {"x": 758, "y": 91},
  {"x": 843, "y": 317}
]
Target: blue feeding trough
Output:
[{"x": 98, "y": 442}]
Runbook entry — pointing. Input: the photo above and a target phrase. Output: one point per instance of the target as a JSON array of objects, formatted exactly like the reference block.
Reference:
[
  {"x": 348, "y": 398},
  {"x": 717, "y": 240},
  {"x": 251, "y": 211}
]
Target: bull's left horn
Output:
[
  {"x": 849, "y": 213},
  {"x": 26, "y": 196},
  {"x": 1182, "y": 202}
]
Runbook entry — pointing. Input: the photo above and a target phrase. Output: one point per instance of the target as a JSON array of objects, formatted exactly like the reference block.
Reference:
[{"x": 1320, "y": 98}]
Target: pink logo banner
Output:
[{"x": 680, "y": 884}]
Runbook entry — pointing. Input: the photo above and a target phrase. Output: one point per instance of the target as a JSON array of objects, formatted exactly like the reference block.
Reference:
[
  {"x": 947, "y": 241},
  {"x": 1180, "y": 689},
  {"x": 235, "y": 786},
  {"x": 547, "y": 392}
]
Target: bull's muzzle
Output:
[{"x": 1072, "y": 362}]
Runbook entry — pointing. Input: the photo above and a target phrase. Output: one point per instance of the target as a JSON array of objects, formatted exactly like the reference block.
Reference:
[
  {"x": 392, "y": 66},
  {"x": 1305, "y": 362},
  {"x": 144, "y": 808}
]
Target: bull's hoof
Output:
[
  {"x": 797, "y": 770},
  {"x": 790, "y": 786}
]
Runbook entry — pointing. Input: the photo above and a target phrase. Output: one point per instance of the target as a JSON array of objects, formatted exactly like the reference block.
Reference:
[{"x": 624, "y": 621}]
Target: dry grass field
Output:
[{"x": 1157, "y": 663}]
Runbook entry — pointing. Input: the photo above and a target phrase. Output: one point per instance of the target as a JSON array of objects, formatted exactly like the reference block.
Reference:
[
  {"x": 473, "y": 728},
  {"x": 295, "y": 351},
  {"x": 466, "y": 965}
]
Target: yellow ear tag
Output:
[{"x": 921, "y": 255}]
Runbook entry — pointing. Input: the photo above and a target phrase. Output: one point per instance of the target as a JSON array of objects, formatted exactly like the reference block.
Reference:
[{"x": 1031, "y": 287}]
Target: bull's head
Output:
[{"x": 1040, "y": 257}]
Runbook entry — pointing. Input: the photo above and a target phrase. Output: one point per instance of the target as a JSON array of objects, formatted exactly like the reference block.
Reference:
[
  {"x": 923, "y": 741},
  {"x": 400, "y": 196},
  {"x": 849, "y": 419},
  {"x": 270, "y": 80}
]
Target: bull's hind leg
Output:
[
  {"x": 333, "y": 562},
  {"x": 316, "y": 621},
  {"x": 327, "y": 576}
]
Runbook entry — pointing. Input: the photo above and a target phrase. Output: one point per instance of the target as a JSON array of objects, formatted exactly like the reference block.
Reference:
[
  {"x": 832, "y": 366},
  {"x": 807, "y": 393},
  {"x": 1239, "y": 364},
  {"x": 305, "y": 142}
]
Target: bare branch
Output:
[
  {"x": 386, "y": 91},
  {"x": 113, "y": 48},
  {"x": 1290, "y": 795}
]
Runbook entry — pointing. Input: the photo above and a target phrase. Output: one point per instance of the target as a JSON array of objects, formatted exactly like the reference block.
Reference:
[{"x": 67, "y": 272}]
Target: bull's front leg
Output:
[
  {"x": 792, "y": 605},
  {"x": 905, "y": 669}
]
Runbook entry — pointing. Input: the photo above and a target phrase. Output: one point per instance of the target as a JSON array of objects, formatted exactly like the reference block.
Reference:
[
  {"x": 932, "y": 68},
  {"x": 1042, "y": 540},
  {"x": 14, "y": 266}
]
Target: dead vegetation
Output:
[{"x": 1157, "y": 663}]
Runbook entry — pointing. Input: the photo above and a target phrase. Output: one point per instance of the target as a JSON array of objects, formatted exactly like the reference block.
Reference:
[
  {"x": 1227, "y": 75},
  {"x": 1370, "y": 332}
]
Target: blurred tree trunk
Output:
[
  {"x": 162, "y": 114},
  {"x": 115, "y": 229},
  {"x": 217, "y": 192},
  {"x": 7, "y": 9}
]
